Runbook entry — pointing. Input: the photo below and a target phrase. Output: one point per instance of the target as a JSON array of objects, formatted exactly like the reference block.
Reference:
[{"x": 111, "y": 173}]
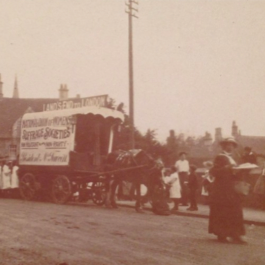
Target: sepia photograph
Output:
[{"x": 132, "y": 132}]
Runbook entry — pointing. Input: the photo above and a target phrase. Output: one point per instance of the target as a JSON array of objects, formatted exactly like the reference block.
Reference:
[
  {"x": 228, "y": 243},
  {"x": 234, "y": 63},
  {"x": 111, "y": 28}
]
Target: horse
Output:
[{"x": 137, "y": 167}]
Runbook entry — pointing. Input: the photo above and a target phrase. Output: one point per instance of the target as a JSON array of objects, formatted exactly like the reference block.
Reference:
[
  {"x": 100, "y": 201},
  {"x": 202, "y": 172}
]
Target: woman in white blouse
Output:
[
  {"x": 14, "y": 176},
  {"x": 6, "y": 176}
]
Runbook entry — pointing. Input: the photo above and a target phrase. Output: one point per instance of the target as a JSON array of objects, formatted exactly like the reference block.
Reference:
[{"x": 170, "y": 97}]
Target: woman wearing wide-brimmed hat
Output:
[{"x": 226, "y": 215}]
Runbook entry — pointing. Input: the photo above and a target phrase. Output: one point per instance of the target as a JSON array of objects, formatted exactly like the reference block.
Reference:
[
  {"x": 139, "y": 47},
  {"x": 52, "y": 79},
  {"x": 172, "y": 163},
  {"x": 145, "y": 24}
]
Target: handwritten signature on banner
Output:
[{"x": 47, "y": 157}]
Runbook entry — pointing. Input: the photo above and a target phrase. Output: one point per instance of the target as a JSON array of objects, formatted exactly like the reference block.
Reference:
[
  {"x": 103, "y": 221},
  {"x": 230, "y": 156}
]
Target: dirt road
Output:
[{"x": 44, "y": 233}]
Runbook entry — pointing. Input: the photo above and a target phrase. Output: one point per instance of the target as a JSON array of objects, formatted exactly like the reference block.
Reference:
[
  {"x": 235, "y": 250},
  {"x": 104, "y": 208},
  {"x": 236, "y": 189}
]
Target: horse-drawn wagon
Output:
[
  {"x": 69, "y": 152},
  {"x": 62, "y": 151}
]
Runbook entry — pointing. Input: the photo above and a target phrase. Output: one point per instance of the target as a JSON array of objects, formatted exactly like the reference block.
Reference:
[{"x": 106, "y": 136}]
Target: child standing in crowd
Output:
[
  {"x": 207, "y": 181},
  {"x": 193, "y": 186},
  {"x": 172, "y": 179}
]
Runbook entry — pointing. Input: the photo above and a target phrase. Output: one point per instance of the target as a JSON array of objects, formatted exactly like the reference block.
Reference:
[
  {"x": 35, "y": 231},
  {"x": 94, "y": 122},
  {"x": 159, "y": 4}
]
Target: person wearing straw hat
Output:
[{"x": 226, "y": 215}]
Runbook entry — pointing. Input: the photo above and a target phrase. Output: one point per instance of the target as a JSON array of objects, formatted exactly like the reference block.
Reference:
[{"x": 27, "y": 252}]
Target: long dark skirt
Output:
[
  {"x": 226, "y": 220},
  {"x": 160, "y": 199}
]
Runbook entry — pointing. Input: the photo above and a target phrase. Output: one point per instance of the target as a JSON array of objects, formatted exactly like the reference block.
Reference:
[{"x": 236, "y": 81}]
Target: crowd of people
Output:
[
  {"x": 223, "y": 188},
  {"x": 182, "y": 184}
]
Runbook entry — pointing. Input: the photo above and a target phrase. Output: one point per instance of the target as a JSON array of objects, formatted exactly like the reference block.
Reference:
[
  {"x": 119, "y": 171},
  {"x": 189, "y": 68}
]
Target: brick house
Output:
[{"x": 12, "y": 109}]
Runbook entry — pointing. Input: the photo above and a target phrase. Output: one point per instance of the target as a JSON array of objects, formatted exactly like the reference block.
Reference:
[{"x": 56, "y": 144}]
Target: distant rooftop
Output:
[
  {"x": 257, "y": 143},
  {"x": 12, "y": 109}
]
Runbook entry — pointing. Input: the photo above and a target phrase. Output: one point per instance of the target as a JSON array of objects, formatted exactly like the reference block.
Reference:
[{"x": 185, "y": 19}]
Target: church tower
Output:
[
  {"x": 15, "y": 91},
  {"x": 218, "y": 135}
]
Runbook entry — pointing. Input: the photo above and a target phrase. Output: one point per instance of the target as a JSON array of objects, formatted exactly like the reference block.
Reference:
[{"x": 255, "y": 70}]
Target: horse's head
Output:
[
  {"x": 153, "y": 167},
  {"x": 136, "y": 157},
  {"x": 141, "y": 158}
]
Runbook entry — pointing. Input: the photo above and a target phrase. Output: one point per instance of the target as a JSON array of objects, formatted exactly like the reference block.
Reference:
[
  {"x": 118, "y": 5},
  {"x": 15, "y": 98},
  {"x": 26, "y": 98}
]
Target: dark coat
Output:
[
  {"x": 193, "y": 182},
  {"x": 250, "y": 158},
  {"x": 226, "y": 215},
  {"x": 222, "y": 191}
]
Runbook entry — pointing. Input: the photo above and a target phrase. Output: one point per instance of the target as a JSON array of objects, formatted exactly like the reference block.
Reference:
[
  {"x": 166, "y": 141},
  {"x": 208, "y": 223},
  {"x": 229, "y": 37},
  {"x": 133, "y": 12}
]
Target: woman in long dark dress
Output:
[{"x": 226, "y": 215}]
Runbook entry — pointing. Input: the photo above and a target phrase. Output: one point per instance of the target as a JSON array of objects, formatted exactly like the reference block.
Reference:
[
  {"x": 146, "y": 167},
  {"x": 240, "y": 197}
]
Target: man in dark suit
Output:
[{"x": 249, "y": 156}]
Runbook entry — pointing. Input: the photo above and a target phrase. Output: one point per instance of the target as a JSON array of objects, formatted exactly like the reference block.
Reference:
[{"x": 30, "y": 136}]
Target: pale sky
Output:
[{"x": 198, "y": 64}]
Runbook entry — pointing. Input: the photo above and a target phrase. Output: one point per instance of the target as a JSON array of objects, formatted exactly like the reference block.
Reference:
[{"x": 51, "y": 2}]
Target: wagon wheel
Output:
[
  {"x": 99, "y": 193},
  {"x": 61, "y": 190},
  {"x": 28, "y": 187}
]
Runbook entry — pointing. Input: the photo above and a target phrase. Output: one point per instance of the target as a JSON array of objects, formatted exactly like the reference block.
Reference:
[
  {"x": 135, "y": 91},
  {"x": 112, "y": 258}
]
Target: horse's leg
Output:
[
  {"x": 113, "y": 188},
  {"x": 111, "y": 185},
  {"x": 120, "y": 190},
  {"x": 132, "y": 191},
  {"x": 138, "y": 205},
  {"x": 148, "y": 194},
  {"x": 108, "y": 192}
]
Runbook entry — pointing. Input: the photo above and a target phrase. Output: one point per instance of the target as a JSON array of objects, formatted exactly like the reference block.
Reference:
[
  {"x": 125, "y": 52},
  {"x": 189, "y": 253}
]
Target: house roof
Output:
[
  {"x": 257, "y": 143},
  {"x": 200, "y": 151},
  {"x": 12, "y": 109}
]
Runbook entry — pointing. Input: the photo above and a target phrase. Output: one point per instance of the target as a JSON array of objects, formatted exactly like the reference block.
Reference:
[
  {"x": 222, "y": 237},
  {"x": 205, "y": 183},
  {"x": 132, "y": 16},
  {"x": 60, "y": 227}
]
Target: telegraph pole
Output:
[{"x": 131, "y": 11}]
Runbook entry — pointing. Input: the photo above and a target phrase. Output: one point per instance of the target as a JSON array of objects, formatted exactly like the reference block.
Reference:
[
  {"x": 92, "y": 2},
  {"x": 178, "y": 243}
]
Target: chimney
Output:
[
  {"x": 234, "y": 129},
  {"x": 172, "y": 133},
  {"x": 63, "y": 92},
  {"x": 15, "y": 91},
  {"x": 207, "y": 139},
  {"x": 1, "y": 87},
  {"x": 218, "y": 134}
]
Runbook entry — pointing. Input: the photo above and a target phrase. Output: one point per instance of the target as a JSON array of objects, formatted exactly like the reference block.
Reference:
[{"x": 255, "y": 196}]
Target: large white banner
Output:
[{"x": 46, "y": 140}]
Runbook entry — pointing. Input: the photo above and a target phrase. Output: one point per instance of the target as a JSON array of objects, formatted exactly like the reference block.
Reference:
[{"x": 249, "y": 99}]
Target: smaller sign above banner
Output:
[{"x": 99, "y": 101}]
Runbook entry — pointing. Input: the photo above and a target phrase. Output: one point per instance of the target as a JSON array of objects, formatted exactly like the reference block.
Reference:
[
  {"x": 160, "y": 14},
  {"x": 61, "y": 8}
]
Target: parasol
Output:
[{"x": 246, "y": 166}]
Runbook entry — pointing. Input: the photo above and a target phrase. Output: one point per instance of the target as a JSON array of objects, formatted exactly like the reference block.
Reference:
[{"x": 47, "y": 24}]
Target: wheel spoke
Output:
[
  {"x": 27, "y": 186},
  {"x": 99, "y": 193}
]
